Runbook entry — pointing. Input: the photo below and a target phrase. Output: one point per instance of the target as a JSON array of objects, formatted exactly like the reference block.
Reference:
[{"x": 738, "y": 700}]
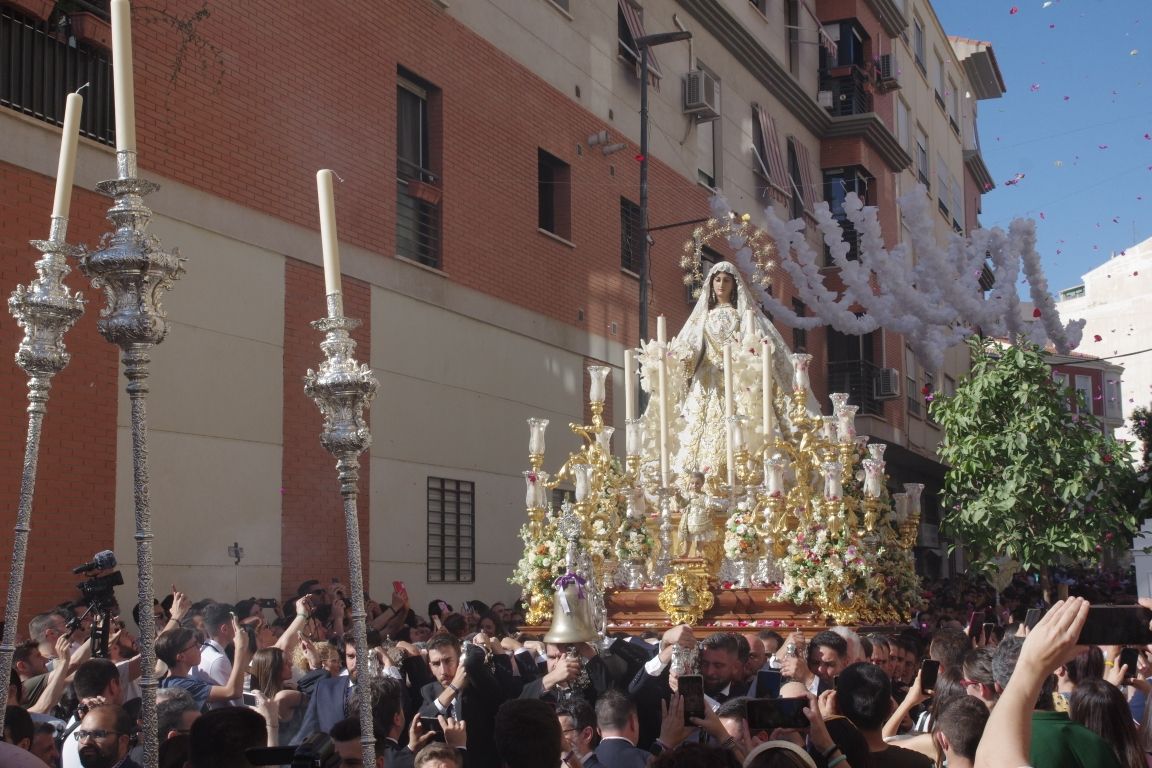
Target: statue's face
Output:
[{"x": 722, "y": 286}]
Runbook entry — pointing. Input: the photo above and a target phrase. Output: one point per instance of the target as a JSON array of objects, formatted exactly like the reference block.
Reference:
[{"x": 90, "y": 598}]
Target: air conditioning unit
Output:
[
  {"x": 700, "y": 95},
  {"x": 824, "y": 99},
  {"x": 886, "y": 385},
  {"x": 888, "y": 73}
]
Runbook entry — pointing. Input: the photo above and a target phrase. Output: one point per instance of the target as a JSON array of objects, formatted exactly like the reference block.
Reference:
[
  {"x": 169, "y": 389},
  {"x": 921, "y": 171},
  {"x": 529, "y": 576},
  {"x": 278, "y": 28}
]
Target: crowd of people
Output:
[{"x": 975, "y": 679}]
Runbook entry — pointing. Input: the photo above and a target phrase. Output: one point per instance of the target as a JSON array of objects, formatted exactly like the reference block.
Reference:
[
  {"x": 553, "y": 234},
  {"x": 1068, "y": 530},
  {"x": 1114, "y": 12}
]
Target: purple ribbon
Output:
[{"x": 568, "y": 580}]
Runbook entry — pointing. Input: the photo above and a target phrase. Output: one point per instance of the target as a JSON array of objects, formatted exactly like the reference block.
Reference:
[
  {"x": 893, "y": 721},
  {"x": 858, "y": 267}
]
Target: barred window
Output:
[{"x": 451, "y": 530}]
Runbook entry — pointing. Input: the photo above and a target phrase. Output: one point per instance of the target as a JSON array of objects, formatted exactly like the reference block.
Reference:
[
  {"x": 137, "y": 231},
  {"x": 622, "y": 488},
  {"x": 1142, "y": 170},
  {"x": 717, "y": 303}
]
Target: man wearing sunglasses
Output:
[{"x": 104, "y": 738}]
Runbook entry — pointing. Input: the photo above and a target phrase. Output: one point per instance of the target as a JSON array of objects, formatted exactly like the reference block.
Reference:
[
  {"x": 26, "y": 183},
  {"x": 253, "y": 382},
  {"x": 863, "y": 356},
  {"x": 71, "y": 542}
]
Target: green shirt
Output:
[{"x": 1057, "y": 742}]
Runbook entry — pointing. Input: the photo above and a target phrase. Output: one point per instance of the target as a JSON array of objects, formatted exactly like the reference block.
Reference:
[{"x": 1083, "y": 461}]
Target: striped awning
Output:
[
  {"x": 769, "y": 151},
  {"x": 808, "y": 189},
  {"x": 636, "y": 27}
]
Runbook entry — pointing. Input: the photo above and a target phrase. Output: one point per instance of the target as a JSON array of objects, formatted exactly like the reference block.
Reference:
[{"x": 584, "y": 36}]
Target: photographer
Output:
[{"x": 179, "y": 650}]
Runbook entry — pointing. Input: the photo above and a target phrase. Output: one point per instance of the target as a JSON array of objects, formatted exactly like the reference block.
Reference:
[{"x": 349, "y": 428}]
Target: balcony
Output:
[
  {"x": 40, "y": 69},
  {"x": 851, "y": 90},
  {"x": 856, "y": 377},
  {"x": 417, "y": 214}
]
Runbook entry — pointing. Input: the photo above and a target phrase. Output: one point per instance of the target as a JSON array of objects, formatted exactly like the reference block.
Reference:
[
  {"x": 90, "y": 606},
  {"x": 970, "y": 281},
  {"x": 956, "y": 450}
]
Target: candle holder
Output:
[
  {"x": 45, "y": 310},
  {"x": 343, "y": 389},
  {"x": 134, "y": 272},
  {"x": 663, "y": 565}
]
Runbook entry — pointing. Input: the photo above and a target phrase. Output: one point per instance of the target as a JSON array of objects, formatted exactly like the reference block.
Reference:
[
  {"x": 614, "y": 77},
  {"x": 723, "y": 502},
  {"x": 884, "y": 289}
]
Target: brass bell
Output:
[{"x": 571, "y": 615}]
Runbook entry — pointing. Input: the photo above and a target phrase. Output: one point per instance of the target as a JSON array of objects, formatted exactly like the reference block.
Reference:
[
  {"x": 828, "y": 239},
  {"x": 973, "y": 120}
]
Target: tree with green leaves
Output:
[{"x": 1026, "y": 477}]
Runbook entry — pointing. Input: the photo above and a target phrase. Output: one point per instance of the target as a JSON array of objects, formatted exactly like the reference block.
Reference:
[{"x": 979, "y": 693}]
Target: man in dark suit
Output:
[
  {"x": 721, "y": 667},
  {"x": 466, "y": 690},
  {"x": 330, "y": 698},
  {"x": 619, "y": 727},
  {"x": 561, "y": 681}
]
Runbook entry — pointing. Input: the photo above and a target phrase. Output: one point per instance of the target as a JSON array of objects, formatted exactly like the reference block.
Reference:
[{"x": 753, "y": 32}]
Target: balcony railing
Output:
[
  {"x": 417, "y": 214},
  {"x": 38, "y": 69},
  {"x": 857, "y": 378},
  {"x": 851, "y": 90}
]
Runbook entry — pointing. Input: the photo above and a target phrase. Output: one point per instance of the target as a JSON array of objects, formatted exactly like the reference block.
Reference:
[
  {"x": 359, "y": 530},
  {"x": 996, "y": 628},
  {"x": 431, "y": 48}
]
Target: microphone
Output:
[{"x": 101, "y": 561}]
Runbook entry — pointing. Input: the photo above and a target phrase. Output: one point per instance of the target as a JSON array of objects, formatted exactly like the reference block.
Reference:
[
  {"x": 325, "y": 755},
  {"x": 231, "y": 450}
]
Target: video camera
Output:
[{"x": 101, "y": 599}]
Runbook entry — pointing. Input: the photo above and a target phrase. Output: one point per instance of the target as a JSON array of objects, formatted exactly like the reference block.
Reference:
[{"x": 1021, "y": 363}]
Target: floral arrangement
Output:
[
  {"x": 827, "y": 568},
  {"x": 600, "y": 545},
  {"x": 542, "y": 563},
  {"x": 741, "y": 538},
  {"x": 634, "y": 542},
  {"x": 899, "y": 594}
]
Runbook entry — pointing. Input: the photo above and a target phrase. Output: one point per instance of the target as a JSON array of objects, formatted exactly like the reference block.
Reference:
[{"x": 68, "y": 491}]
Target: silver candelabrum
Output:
[
  {"x": 45, "y": 310},
  {"x": 134, "y": 272},
  {"x": 342, "y": 390}
]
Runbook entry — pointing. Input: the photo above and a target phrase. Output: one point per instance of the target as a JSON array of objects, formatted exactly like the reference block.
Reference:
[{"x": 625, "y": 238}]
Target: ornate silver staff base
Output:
[
  {"x": 45, "y": 310},
  {"x": 342, "y": 390},
  {"x": 134, "y": 272}
]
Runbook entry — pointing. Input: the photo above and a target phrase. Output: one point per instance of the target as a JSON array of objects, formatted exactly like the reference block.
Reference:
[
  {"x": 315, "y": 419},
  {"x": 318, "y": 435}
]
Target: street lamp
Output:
[{"x": 643, "y": 43}]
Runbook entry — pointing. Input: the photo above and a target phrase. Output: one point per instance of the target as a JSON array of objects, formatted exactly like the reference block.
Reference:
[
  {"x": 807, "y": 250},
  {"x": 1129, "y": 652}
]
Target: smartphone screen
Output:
[
  {"x": 929, "y": 671},
  {"x": 1032, "y": 618},
  {"x": 769, "y": 714},
  {"x": 692, "y": 689},
  {"x": 432, "y": 725},
  {"x": 975, "y": 623},
  {"x": 1116, "y": 625},
  {"x": 398, "y": 587},
  {"x": 768, "y": 683},
  {"x": 1129, "y": 657}
]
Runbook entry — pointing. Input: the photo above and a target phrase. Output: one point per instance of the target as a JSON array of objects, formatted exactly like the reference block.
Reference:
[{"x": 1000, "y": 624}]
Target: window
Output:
[
  {"x": 953, "y": 98},
  {"x": 1084, "y": 390},
  {"x": 922, "y": 169},
  {"x": 918, "y": 42},
  {"x": 838, "y": 182},
  {"x": 708, "y": 151},
  {"x": 938, "y": 77},
  {"x": 804, "y": 190},
  {"x": 799, "y": 335},
  {"x": 760, "y": 5},
  {"x": 562, "y": 4},
  {"x": 629, "y": 28},
  {"x": 943, "y": 190},
  {"x": 451, "y": 527},
  {"x": 930, "y": 386},
  {"x": 631, "y": 230},
  {"x": 1113, "y": 408},
  {"x": 418, "y": 188},
  {"x": 957, "y": 204},
  {"x": 554, "y": 195},
  {"x": 902, "y": 121},
  {"x": 911, "y": 386}
]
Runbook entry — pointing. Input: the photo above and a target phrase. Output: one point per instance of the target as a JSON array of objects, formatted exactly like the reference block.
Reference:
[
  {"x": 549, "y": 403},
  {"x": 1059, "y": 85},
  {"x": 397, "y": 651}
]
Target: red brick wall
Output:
[
  {"x": 74, "y": 510},
  {"x": 313, "y": 543}
]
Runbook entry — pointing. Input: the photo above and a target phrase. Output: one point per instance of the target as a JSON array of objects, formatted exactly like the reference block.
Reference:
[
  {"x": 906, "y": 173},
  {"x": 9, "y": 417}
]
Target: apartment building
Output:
[{"x": 490, "y": 229}]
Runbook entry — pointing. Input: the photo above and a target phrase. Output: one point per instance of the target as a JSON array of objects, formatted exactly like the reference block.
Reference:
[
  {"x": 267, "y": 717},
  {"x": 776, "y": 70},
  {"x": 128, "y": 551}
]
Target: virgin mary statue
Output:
[{"x": 724, "y": 314}]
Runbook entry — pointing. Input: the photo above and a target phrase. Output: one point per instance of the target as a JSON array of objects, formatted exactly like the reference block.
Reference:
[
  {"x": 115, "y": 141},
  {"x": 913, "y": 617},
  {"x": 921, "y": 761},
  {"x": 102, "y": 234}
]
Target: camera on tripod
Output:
[{"x": 101, "y": 599}]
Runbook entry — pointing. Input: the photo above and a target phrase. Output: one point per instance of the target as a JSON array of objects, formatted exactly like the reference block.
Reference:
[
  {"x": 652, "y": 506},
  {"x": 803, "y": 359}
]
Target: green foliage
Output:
[
  {"x": 1026, "y": 478},
  {"x": 1143, "y": 430}
]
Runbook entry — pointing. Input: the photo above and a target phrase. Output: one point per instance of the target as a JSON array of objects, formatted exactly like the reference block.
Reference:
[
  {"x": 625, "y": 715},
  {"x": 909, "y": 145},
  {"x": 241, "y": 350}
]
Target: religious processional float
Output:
[{"x": 738, "y": 502}]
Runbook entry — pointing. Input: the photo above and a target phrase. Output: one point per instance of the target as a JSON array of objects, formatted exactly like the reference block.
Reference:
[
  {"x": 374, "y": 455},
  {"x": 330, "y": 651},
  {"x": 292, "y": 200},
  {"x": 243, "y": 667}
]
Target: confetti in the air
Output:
[
  {"x": 1034, "y": 87},
  {"x": 1134, "y": 52},
  {"x": 1097, "y": 337},
  {"x": 1036, "y": 312},
  {"x": 1013, "y": 11},
  {"x": 1014, "y": 180}
]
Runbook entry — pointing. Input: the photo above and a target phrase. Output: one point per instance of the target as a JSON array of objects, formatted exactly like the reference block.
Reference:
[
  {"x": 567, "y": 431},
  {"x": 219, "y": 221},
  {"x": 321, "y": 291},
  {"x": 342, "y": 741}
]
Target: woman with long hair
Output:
[
  {"x": 271, "y": 671},
  {"x": 1100, "y": 707}
]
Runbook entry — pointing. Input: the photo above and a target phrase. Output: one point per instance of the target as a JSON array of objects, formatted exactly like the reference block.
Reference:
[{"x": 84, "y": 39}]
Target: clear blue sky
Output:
[{"x": 1076, "y": 122}]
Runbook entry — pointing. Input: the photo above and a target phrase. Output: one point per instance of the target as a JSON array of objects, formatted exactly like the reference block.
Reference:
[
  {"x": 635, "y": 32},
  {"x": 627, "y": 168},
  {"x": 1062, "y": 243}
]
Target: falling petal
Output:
[
  {"x": 1034, "y": 87},
  {"x": 1102, "y": 146},
  {"x": 1134, "y": 52},
  {"x": 1013, "y": 11}
]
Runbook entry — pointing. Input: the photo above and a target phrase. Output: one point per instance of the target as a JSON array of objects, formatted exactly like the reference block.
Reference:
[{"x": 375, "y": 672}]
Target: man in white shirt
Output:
[{"x": 214, "y": 667}]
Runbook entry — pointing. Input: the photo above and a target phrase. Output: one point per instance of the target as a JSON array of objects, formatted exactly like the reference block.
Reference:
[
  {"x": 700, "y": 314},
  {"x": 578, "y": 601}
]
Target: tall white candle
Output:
[
  {"x": 66, "y": 170},
  {"x": 629, "y": 386},
  {"x": 766, "y": 389},
  {"x": 328, "y": 240},
  {"x": 662, "y": 381},
  {"x": 122, "y": 84}
]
